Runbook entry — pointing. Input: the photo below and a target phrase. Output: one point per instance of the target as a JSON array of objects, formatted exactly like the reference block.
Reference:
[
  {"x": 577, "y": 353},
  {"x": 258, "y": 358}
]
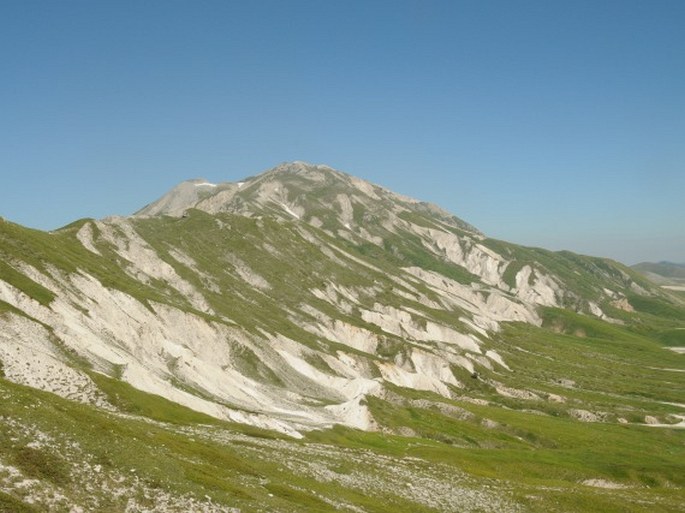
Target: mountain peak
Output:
[
  {"x": 299, "y": 165},
  {"x": 177, "y": 200},
  {"x": 306, "y": 170},
  {"x": 314, "y": 193}
]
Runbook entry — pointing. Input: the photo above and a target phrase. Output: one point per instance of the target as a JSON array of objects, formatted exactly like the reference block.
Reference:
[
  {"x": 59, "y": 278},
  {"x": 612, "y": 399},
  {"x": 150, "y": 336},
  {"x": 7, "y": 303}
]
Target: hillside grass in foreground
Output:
[{"x": 235, "y": 469}]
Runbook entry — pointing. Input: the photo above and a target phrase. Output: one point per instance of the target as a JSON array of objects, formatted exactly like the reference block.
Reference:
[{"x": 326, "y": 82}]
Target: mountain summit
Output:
[
  {"x": 304, "y": 300},
  {"x": 316, "y": 194}
]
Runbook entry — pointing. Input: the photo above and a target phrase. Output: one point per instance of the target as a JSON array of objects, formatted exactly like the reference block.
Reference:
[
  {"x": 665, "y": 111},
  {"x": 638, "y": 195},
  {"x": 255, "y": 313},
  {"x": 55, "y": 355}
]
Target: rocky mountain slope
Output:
[{"x": 303, "y": 299}]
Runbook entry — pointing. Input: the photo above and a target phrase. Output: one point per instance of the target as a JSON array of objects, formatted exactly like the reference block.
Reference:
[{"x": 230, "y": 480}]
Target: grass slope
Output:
[{"x": 538, "y": 468}]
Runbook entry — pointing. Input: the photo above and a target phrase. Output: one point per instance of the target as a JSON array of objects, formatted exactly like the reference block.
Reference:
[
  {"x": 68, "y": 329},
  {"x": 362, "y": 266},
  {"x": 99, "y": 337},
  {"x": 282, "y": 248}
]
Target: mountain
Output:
[{"x": 304, "y": 303}]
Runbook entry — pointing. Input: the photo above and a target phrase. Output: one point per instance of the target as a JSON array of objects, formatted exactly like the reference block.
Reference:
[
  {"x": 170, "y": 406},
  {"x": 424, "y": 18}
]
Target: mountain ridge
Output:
[{"x": 321, "y": 178}]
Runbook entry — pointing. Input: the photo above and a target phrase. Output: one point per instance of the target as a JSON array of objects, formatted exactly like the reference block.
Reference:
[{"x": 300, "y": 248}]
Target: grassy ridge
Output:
[{"x": 61, "y": 251}]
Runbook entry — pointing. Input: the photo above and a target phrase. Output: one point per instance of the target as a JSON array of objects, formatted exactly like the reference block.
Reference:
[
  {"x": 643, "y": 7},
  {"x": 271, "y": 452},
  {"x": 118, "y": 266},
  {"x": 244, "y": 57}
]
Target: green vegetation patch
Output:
[
  {"x": 41, "y": 464},
  {"x": 131, "y": 400},
  {"x": 407, "y": 250},
  {"x": 657, "y": 306},
  {"x": 674, "y": 337},
  {"x": 11, "y": 504},
  {"x": 63, "y": 252},
  {"x": 250, "y": 365},
  {"x": 25, "y": 284}
]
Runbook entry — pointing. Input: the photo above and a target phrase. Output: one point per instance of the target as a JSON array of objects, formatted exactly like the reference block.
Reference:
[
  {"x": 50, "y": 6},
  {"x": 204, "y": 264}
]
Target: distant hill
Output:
[{"x": 663, "y": 273}]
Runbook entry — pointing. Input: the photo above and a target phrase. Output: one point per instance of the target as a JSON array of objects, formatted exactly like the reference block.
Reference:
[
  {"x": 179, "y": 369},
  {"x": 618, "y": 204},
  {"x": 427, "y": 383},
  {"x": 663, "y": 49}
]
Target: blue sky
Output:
[{"x": 547, "y": 123}]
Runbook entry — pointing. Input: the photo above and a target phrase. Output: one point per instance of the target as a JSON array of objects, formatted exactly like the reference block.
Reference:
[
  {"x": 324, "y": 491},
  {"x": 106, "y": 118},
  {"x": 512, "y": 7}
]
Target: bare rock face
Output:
[
  {"x": 623, "y": 304},
  {"x": 178, "y": 199}
]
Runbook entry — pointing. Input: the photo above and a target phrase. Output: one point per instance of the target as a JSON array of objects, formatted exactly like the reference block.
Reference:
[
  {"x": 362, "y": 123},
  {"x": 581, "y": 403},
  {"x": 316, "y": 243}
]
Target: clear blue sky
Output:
[{"x": 552, "y": 123}]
